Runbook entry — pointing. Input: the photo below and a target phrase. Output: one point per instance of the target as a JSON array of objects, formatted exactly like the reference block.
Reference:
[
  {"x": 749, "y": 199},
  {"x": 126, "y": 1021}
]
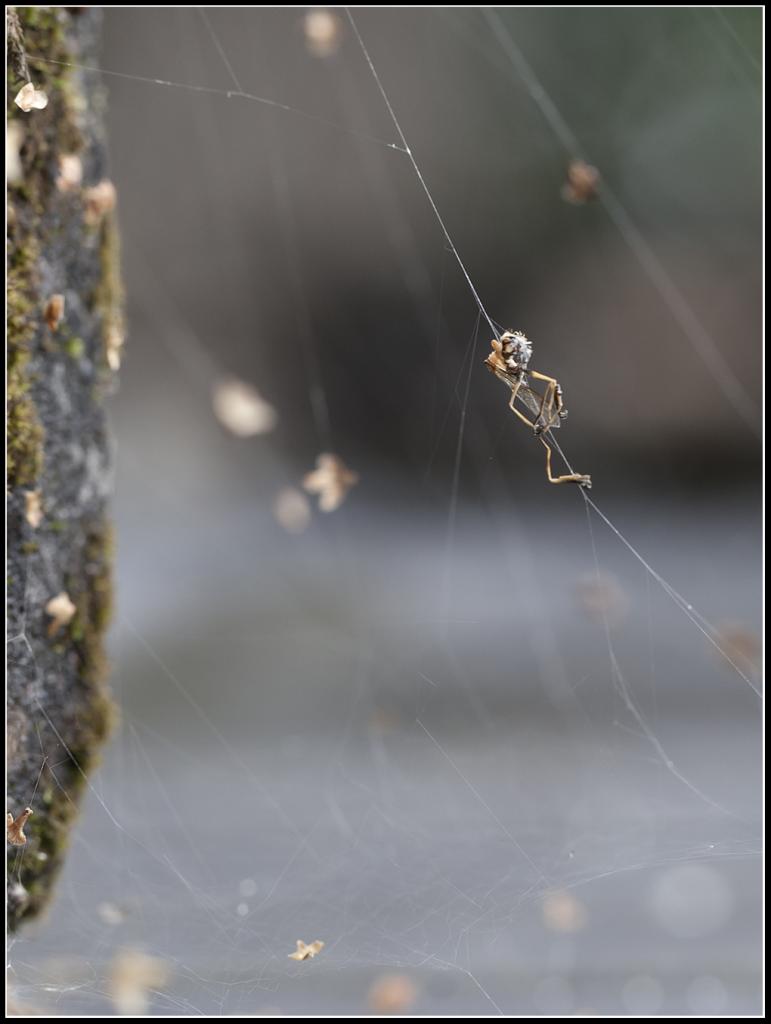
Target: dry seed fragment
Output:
[
  {"x": 15, "y": 827},
  {"x": 54, "y": 311},
  {"x": 29, "y": 98},
  {"x": 304, "y": 952},
  {"x": 61, "y": 609},
  {"x": 331, "y": 480}
]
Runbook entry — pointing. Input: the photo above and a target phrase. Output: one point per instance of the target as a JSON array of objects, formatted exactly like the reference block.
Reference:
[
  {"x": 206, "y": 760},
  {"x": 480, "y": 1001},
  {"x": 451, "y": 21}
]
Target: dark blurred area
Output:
[
  {"x": 413, "y": 723},
  {"x": 265, "y": 233}
]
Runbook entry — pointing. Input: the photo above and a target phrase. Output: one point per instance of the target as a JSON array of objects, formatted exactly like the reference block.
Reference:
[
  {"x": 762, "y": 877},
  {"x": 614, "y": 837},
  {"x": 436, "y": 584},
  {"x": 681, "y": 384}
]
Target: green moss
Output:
[
  {"x": 54, "y": 130},
  {"x": 24, "y": 432},
  {"x": 75, "y": 347},
  {"x": 32, "y": 30},
  {"x": 48, "y": 830},
  {"x": 95, "y": 607},
  {"x": 41, "y": 31}
]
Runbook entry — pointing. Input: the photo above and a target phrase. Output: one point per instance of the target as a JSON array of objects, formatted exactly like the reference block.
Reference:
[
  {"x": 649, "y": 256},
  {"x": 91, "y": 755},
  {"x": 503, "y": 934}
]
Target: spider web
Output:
[{"x": 396, "y": 733}]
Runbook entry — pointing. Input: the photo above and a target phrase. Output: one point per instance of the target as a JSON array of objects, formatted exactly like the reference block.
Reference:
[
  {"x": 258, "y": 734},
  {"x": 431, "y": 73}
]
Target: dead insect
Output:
[{"x": 509, "y": 362}]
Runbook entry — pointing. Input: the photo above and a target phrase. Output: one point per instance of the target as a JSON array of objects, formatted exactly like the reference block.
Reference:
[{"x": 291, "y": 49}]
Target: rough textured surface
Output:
[{"x": 58, "y": 446}]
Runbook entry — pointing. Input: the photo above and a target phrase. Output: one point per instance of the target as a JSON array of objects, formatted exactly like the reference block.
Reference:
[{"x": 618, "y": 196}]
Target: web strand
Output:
[
  {"x": 560, "y": 127},
  {"x": 227, "y": 93},
  {"x": 419, "y": 174},
  {"x": 699, "y": 338}
]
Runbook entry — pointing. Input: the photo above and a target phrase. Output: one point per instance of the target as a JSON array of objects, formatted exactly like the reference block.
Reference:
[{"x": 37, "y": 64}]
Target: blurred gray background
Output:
[{"x": 402, "y": 731}]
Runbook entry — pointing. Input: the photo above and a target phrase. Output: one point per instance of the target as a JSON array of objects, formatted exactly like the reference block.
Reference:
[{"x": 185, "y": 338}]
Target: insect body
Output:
[{"x": 509, "y": 361}]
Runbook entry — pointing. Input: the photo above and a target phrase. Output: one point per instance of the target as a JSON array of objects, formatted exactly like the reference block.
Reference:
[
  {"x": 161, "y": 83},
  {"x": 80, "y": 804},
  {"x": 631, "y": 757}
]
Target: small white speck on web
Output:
[{"x": 242, "y": 909}]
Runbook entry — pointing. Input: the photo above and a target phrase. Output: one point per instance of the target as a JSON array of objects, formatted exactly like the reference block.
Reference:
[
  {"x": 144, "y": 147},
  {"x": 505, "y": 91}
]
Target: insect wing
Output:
[{"x": 532, "y": 400}]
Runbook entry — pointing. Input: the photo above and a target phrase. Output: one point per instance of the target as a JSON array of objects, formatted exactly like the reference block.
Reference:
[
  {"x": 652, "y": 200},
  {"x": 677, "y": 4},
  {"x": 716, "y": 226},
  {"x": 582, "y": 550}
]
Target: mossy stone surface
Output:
[{"x": 59, "y": 709}]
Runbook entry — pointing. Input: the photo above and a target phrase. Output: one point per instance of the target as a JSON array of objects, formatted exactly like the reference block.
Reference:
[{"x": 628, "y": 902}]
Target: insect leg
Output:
[
  {"x": 532, "y": 424},
  {"x": 552, "y": 397},
  {"x": 568, "y": 478}
]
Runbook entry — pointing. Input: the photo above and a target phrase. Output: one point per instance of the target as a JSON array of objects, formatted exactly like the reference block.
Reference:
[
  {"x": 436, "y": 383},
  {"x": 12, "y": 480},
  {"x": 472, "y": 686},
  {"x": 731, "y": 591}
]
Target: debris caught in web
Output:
[
  {"x": 304, "y": 952},
  {"x": 392, "y": 993},
  {"x": 54, "y": 311},
  {"x": 61, "y": 609},
  {"x": 323, "y": 32},
  {"x": 70, "y": 172},
  {"x": 331, "y": 480},
  {"x": 29, "y": 98},
  {"x": 241, "y": 409},
  {"x": 99, "y": 199},
  {"x": 600, "y": 597},
  {"x": 563, "y": 912},
  {"x": 581, "y": 184},
  {"x": 14, "y": 137},
  {"x": 739, "y": 644},
  {"x": 33, "y": 508},
  {"x": 134, "y": 975},
  {"x": 15, "y": 827},
  {"x": 113, "y": 345}
]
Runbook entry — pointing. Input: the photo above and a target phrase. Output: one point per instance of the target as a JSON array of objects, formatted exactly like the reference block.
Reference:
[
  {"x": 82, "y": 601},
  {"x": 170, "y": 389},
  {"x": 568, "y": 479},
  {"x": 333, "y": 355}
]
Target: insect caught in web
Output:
[{"x": 509, "y": 361}]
